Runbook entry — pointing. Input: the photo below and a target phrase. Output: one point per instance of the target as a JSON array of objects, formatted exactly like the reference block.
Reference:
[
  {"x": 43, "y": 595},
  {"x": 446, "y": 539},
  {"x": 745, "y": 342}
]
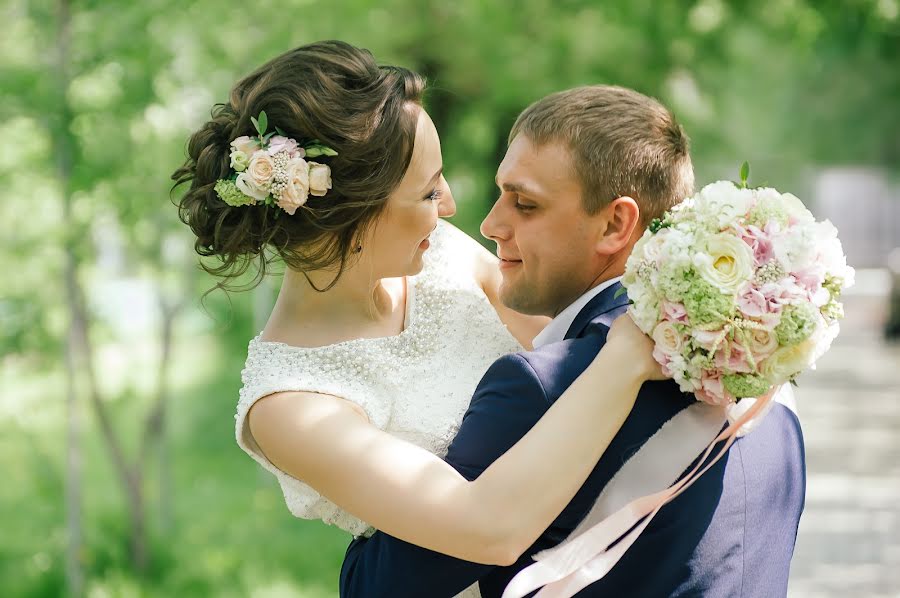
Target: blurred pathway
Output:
[{"x": 849, "y": 541}]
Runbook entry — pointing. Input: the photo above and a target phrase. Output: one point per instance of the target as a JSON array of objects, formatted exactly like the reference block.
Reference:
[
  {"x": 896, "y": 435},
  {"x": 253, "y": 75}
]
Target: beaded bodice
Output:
[{"x": 415, "y": 385}]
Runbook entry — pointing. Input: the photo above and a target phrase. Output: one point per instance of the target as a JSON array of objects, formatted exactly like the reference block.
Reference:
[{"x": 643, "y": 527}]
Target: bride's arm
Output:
[{"x": 411, "y": 494}]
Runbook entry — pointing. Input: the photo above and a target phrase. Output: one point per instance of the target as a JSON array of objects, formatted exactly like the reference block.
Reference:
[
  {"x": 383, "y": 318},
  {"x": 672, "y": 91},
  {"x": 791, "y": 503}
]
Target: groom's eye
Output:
[{"x": 524, "y": 207}]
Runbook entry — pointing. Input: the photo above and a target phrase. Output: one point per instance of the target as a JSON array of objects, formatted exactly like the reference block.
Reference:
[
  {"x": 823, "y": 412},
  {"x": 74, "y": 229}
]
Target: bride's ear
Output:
[{"x": 619, "y": 220}]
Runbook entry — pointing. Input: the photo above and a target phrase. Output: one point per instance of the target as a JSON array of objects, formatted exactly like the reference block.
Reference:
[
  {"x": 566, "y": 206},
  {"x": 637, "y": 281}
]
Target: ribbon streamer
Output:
[{"x": 578, "y": 562}]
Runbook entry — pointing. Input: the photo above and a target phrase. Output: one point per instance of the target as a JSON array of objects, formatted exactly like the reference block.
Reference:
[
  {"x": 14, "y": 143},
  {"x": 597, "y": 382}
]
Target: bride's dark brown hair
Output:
[{"x": 330, "y": 91}]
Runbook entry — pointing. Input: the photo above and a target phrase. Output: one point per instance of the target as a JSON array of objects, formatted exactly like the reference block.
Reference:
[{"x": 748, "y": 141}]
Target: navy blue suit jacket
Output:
[{"x": 730, "y": 534}]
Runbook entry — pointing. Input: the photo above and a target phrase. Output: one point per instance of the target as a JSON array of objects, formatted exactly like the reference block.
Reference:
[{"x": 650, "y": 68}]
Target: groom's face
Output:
[{"x": 545, "y": 239}]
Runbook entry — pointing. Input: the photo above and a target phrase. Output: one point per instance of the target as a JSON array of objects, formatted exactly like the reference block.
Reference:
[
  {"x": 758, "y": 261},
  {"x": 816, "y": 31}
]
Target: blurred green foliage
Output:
[{"x": 785, "y": 84}]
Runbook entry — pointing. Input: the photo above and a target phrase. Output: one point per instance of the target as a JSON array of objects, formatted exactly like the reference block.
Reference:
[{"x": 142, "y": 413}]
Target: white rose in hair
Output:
[
  {"x": 296, "y": 189},
  {"x": 248, "y": 186},
  {"x": 261, "y": 168},
  {"x": 319, "y": 179}
]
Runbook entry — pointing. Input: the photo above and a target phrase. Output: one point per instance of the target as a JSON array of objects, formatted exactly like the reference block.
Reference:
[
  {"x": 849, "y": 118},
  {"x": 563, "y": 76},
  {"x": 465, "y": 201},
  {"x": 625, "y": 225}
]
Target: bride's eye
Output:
[{"x": 434, "y": 195}]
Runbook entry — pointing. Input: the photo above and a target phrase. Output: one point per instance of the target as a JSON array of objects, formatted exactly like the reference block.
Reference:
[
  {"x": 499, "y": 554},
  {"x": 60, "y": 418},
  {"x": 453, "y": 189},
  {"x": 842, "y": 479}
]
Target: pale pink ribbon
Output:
[{"x": 566, "y": 569}]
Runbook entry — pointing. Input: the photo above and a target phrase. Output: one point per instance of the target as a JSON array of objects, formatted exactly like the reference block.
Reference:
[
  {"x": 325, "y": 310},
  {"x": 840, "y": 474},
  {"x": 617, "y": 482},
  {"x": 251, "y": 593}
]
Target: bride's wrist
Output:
[{"x": 618, "y": 360}]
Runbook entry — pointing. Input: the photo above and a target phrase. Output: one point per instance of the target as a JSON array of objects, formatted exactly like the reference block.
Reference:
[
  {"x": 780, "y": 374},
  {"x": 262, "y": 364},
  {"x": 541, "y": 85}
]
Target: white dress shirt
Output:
[{"x": 556, "y": 330}]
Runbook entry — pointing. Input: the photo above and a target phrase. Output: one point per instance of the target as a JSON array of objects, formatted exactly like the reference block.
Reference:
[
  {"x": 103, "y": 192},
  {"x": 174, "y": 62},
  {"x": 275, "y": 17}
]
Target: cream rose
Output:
[
  {"x": 261, "y": 168},
  {"x": 319, "y": 179},
  {"x": 762, "y": 342},
  {"x": 667, "y": 338},
  {"x": 248, "y": 186},
  {"x": 245, "y": 144},
  {"x": 787, "y": 361},
  {"x": 727, "y": 262},
  {"x": 296, "y": 189}
]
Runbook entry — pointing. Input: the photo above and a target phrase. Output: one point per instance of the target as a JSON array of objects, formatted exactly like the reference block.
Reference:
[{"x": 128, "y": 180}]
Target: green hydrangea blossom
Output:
[
  {"x": 705, "y": 304},
  {"x": 834, "y": 285},
  {"x": 767, "y": 210},
  {"x": 797, "y": 323},
  {"x": 833, "y": 310},
  {"x": 745, "y": 385},
  {"x": 230, "y": 194},
  {"x": 675, "y": 283}
]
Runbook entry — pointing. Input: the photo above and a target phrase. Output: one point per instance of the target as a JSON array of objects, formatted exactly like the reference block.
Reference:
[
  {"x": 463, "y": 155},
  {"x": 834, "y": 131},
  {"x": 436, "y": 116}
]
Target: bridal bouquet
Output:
[{"x": 740, "y": 289}]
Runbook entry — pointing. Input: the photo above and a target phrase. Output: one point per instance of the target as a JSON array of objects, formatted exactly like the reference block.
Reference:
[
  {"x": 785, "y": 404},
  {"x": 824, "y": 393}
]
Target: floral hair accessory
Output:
[{"x": 271, "y": 168}]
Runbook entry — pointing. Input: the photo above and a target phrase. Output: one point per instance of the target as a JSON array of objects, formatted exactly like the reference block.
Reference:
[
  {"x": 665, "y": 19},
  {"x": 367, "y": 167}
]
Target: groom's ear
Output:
[{"x": 619, "y": 219}]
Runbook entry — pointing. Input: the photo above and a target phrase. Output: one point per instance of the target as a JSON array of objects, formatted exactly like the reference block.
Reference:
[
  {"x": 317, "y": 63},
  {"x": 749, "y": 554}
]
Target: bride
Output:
[{"x": 387, "y": 316}]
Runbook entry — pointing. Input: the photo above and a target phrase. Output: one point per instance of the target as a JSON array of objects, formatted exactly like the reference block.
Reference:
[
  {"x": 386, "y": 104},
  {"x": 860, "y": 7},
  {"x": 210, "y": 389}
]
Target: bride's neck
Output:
[{"x": 356, "y": 297}]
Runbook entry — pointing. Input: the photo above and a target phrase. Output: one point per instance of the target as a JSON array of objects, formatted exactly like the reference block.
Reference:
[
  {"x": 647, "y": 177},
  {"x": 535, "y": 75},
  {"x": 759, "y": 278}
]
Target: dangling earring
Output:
[{"x": 358, "y": 249}]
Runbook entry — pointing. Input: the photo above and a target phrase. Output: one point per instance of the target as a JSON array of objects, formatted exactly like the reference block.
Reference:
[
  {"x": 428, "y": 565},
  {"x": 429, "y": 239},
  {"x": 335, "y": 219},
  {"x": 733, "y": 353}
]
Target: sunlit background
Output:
[{"x": 120, "y": 473}]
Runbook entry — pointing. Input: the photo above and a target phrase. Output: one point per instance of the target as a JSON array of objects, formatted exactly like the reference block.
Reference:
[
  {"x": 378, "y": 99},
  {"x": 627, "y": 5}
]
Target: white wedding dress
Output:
[{"x": 415, "y": 386}]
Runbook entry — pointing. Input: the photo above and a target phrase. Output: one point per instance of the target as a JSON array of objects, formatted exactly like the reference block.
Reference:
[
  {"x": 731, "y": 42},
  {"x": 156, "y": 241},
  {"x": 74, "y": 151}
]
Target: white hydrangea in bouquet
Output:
[{"x": 739, "y": 288}]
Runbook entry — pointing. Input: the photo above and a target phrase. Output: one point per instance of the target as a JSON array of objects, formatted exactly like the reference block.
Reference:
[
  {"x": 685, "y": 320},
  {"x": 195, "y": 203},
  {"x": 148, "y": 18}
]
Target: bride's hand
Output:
[{"x": 624, "y": 335}]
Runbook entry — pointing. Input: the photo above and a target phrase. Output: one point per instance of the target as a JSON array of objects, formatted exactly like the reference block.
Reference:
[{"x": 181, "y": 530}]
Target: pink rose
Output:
[
  {"x": 674, "y": 312},
  {"x": 279, "y": 143},
  {"x": 663, "y": 359},
  {"x": 712, "y": 390},
  {"x": 732, "y": 357},
  {"x": 706, "y": 338}
]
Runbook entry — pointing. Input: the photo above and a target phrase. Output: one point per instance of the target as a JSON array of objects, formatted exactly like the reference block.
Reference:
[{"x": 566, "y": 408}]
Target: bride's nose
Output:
[{"x": 446, "y": 204}]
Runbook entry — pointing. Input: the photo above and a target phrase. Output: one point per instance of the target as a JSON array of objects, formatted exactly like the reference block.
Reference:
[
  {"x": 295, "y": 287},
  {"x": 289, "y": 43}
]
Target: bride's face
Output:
[{"x": 399, "y": 238}]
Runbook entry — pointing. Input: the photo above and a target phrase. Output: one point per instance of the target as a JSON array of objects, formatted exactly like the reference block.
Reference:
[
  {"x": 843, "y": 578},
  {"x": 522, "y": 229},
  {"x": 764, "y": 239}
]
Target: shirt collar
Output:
[{"x": 556, "y": 330}]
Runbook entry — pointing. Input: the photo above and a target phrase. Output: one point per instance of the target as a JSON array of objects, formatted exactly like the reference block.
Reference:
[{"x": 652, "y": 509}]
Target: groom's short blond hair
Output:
[{"x": 622, "y": 142}]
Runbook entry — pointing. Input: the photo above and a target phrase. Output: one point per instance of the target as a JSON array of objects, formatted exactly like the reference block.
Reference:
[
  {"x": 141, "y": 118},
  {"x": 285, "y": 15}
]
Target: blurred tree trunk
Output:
[
  {"x": 74, "y": 572},
  {"x": 80, "y": 350}
]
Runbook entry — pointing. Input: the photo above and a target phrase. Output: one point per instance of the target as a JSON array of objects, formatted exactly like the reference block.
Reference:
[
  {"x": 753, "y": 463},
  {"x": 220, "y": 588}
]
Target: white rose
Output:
[
  {"x": 653, "y": 249},
  {"x": 319, "y": 179},
  {"x": 645, "y": 315},
  {"x": 637, "y": 251},
  {"x": 721, "y": 204},
  {"x": 795, "y": 208},
  {"x": 245, "y": 144},
  {"x": 248, "y": 186},
  {"x": 667, "y": 338},
  {"x": 787, "y": 361},
  {"x": 296, "y": 190},
  {"x": 726, "y": 264},
  {"x": 261, "y": 168}
]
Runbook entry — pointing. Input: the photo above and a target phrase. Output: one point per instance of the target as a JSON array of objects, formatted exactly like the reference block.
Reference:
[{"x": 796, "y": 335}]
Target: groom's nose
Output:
[{"x": 493, "y": 227}]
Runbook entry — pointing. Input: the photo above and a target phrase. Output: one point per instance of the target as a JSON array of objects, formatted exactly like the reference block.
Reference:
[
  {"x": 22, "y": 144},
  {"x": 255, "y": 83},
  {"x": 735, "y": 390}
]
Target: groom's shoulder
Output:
[{"x": 556, "y": 365}]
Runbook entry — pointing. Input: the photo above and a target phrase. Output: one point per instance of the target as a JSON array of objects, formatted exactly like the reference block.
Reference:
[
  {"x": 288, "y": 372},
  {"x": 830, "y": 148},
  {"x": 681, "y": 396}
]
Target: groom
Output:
[{"x": 574, "y": 160}]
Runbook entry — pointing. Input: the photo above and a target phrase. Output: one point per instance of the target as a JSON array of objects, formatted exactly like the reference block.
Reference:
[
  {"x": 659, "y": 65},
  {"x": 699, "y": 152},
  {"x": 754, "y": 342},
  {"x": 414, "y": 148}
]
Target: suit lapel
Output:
[{"x": 596, "y": 309}]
